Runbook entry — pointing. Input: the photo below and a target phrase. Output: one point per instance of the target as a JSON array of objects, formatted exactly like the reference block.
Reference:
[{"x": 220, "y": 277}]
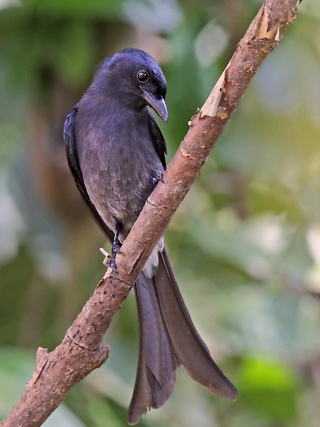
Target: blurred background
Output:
[{"x": 245, "y": 244}]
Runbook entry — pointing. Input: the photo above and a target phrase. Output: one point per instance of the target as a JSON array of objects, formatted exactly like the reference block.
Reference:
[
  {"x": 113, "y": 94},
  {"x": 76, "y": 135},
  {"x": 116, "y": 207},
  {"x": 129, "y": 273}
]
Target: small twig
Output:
[{"x": 82, "y": 348}]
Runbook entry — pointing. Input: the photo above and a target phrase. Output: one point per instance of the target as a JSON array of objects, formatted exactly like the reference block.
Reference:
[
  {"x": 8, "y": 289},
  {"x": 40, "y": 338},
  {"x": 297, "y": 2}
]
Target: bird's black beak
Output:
[{"x": 158, "y": 104}]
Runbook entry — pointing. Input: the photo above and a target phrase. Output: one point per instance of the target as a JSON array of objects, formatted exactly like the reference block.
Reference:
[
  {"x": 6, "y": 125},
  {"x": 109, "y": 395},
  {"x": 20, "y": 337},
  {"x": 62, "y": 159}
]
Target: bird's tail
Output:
[{"x": 169, "y": 338}]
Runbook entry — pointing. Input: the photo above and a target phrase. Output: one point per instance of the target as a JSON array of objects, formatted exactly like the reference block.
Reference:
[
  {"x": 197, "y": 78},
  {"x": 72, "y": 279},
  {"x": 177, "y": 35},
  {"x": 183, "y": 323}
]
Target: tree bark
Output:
[{"x": 82, "y": 348}]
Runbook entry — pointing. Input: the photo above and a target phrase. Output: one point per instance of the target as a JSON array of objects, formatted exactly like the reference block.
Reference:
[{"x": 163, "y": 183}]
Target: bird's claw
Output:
[
  {"x": 110, "y": 260},
  {"x": 116, "y": 249},
  {"x": 157, "y": 178},
  {"x": 113, "y": 264}
]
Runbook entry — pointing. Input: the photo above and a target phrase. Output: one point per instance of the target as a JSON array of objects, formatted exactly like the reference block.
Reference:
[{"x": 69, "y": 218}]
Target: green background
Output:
[{"x": 245, "y": 244}]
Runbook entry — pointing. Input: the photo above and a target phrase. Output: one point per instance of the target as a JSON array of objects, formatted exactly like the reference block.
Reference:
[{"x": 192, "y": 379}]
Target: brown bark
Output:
[{"x": 82, "y": 348}]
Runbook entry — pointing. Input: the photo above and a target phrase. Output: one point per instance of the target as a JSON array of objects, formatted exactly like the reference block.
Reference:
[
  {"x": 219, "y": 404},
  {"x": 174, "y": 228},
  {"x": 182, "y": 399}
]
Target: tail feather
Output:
[
  {"x": 169, "y": 338},
  {"x": 188, "y": 345},
  {"x": 157, "y": 364}
]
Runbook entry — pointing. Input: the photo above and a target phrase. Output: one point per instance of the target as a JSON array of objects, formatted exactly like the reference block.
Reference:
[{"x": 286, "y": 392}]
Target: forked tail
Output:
[{"x": 168, "y": 337}]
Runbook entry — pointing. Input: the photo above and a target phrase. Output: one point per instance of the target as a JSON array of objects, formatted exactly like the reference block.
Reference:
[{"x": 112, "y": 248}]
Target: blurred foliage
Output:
[{"x": 245, "y": 244}]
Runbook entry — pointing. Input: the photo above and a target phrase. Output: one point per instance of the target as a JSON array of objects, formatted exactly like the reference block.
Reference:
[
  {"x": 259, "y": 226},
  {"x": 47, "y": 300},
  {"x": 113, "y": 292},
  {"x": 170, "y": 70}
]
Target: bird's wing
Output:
[
  {"x": 72, "y": 157},
  {"x": 158, "y": 140}
]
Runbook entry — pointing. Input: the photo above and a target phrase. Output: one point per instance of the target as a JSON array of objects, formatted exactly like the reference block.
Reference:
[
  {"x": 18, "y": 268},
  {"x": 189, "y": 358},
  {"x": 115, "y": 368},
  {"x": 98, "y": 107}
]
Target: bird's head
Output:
[{"x": 134, "y": 77}]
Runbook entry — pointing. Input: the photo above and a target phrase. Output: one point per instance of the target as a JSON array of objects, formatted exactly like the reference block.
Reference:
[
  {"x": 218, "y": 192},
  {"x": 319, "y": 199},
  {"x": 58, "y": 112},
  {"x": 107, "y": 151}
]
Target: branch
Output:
[{"x": 82, "y": 348}]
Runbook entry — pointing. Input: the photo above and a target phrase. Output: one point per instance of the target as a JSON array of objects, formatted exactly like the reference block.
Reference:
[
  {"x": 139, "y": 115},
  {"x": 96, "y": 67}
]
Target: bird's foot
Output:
[
  {"x": 112, "y": 260},
  {"x": 116, "y": 249},
  {"x": 113, "y": 264},
  {"x": 157, "y": 178}
]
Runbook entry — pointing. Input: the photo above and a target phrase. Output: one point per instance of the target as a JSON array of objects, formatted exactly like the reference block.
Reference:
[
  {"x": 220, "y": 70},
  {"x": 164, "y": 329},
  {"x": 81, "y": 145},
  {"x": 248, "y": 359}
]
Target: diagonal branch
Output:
[{"x": 82, "y": 348}]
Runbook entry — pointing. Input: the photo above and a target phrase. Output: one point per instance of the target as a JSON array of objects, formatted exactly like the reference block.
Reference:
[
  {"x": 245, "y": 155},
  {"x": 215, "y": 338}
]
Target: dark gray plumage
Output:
[{"x": 116, "y": 153}]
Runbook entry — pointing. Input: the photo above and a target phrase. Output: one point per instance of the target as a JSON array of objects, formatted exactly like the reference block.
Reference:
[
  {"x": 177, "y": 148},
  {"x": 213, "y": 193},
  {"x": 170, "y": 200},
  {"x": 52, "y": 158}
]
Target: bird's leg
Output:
[{"x": 116, "y": 249}]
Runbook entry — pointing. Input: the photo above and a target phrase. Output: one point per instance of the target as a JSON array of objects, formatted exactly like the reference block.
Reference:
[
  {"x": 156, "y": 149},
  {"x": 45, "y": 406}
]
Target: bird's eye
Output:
[{"x": 142, "y": 76}]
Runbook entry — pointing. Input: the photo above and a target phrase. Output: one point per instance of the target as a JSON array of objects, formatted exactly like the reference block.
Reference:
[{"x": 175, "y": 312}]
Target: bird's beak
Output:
[{"x": 158, "y": 105}]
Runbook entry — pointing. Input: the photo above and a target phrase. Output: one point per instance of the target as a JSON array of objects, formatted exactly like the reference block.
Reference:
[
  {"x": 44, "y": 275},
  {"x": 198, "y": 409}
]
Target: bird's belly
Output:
[
  {"x": 119, "y": 201},
  {"x": 120, "y": 175}
]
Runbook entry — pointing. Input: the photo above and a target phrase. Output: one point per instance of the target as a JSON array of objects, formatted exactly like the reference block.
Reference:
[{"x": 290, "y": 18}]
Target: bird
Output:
[{"x": 116, "y": 153}]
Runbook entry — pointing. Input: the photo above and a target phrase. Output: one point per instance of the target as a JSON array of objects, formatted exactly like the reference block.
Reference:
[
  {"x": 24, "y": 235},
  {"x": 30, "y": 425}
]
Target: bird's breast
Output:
[{"x": 120, "y": 166}]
